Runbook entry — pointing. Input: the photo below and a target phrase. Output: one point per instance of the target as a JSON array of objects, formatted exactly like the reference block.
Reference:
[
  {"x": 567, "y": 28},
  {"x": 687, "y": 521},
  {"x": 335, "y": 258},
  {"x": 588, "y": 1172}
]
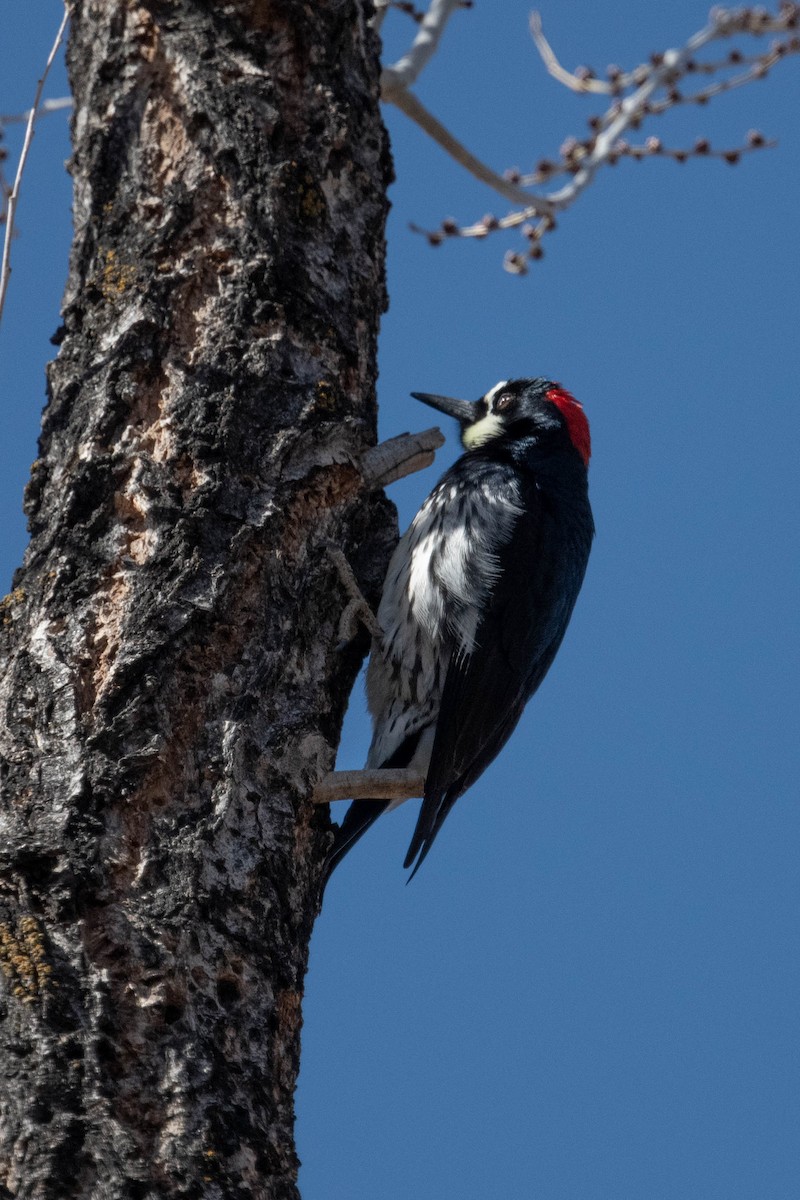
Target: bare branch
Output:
[
  {"x": 393, "y": 783},
  {"x": 5, "y": 266},
  {"x": 400, "y": 456},
  {"x": 652, "y": 89},
  {"x": 412, "y": 107},
  {"x": 408, "y": 68}
]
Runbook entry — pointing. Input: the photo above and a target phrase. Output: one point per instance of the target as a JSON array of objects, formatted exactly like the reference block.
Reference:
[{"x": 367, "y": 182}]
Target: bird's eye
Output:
[{"x": 503, "y": 401}]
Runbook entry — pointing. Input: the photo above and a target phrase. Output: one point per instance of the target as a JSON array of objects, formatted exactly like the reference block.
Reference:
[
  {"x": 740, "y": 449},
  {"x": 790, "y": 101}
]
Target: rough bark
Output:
[{"x": 171, "y": 686}]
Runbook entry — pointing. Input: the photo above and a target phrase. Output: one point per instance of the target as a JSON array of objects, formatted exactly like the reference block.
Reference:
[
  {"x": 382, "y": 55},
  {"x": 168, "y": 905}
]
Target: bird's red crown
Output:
[{"x": 577, "y": 424}]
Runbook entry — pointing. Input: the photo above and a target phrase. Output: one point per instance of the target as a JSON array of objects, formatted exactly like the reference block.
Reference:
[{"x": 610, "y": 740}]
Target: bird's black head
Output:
[{"x": 515, "y": 410}]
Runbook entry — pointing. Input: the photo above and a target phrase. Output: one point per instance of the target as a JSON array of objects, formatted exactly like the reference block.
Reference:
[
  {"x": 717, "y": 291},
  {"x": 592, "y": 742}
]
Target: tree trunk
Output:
[{"x": 171, "y": 686}]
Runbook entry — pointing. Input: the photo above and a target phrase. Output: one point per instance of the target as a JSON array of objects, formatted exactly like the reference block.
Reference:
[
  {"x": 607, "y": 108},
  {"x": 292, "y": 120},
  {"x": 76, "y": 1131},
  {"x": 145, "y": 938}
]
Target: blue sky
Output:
[{"x": 590, "y": 991}]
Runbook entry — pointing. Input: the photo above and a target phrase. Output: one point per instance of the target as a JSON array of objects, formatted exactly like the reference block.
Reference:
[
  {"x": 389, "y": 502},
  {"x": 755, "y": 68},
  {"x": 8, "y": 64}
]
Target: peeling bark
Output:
[{"x": 171, "y": 687}]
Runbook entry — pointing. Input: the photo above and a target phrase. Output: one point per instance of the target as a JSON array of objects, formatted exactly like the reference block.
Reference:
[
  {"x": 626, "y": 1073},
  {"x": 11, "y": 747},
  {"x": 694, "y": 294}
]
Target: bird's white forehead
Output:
[{"x": 498, "y": 387}]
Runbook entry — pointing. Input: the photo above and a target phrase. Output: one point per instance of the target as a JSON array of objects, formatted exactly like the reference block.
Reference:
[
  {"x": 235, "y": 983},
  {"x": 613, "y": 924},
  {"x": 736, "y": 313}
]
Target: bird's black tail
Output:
[
  {"x": 357, "y": 820},
  {"x": 430, "y": 821}
]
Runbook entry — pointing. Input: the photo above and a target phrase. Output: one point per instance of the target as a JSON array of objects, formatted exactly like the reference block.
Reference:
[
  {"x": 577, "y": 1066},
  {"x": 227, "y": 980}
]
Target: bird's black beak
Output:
[{"x": 465, "y": 411}]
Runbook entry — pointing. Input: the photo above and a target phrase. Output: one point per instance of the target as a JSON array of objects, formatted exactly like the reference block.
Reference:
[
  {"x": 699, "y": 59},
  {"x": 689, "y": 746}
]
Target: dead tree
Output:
[{"x": 171, "y": 684}]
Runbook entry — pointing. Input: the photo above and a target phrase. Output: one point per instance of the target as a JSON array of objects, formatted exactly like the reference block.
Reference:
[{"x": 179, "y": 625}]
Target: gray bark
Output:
[{"x": 171, "y": 688}]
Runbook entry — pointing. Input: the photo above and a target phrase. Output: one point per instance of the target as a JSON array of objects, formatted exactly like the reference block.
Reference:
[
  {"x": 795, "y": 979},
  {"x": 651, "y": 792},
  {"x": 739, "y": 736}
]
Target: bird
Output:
[{"x": 477, "y": 598}]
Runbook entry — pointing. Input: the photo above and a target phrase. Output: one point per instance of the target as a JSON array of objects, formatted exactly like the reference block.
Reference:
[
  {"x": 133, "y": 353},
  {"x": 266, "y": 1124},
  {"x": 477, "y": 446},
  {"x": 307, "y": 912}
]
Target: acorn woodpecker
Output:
[{"x": 477, "y": 597}]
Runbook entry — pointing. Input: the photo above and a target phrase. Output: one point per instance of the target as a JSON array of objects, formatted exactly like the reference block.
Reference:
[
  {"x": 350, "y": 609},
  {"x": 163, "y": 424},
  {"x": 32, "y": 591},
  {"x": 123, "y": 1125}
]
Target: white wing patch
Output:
[{"x": 437, "y": 585}]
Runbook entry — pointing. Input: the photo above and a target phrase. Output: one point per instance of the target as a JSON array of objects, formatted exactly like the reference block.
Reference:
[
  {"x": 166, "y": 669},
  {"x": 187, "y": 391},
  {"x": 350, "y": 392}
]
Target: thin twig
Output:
[
  {"x": 410, "y": 105},
  {"x": 761, "y": 64},
  {"x": 5, "y": 267},
  {"x": 44, "y": 110},
  {"x": 574, "y": 82},
  {"x": 723, "y": 24}
]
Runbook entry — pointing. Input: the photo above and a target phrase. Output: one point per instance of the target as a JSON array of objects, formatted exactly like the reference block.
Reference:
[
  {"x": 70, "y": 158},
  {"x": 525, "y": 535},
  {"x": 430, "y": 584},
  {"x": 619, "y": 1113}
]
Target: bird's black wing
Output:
[{"x": 485, "y": 691}]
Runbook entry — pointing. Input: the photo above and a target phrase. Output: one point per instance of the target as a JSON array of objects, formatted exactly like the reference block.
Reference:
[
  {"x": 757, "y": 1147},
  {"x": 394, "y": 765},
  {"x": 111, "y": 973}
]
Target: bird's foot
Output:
[
  {"x": 382, "y": 783},
  {"x": 357, "y": 608}
]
